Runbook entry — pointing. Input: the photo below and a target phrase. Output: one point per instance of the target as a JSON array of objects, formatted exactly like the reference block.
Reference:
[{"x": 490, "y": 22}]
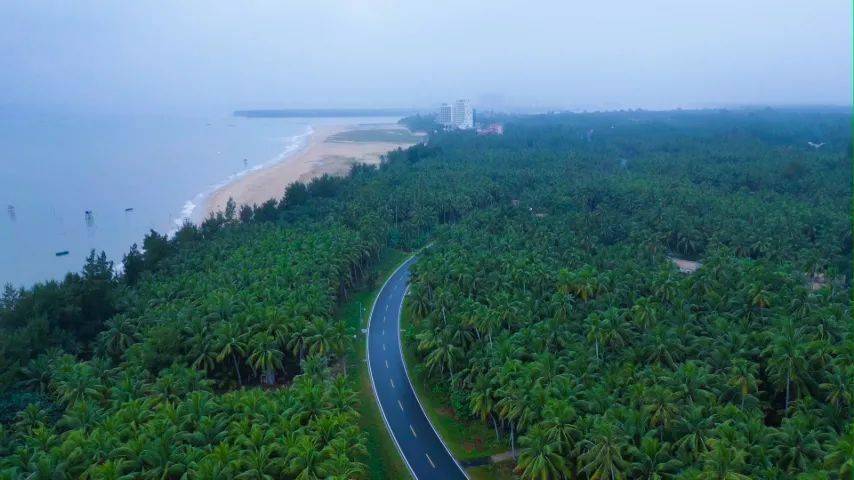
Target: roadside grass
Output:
[
  {"x": 495, "y": 471},
  {"x": 383, "y": 461},
  {"x": 466, "y": 439}
]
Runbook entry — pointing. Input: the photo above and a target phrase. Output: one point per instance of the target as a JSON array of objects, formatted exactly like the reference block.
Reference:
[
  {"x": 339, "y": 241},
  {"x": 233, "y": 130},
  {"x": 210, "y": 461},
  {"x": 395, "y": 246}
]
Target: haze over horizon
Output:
[{"x": 152, "y": 57}]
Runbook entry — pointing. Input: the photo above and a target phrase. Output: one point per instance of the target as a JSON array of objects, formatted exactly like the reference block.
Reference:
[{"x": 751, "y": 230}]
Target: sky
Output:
[{"x": 167, "y": 56}]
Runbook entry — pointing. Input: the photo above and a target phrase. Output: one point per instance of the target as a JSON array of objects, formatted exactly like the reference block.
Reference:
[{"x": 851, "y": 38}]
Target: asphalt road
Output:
[{"x": 418, "y": 442}]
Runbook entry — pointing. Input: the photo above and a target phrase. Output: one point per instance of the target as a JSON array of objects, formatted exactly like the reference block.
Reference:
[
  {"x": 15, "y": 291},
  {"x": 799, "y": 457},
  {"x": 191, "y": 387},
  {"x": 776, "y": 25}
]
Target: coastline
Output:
[{"x": 322, "y": 154}]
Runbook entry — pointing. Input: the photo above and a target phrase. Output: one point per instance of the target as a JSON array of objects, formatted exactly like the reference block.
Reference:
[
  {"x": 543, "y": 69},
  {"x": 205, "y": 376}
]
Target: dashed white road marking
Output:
[
  {"x": 383, "y": 347},
  {"x": 392, "y": 383},
  {"x": 383, "y": 332},
  {"x": 400, "y": 405},
  {"x": 386, "y": 364},
  {"x": 411, "y": 429},
  {"x": 430, "y": 460}
]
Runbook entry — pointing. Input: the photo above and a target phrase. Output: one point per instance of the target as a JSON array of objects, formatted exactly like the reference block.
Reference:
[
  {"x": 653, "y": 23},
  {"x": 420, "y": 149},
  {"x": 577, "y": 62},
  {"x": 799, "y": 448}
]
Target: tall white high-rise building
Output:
[
  {"x": 446, "y": 115},
  {"x": 463, "y": 115}
]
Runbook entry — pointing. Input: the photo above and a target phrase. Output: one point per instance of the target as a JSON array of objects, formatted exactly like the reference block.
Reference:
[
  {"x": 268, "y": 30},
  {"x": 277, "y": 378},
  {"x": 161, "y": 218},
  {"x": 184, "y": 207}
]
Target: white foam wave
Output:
[{"x": 293, "y": 144}]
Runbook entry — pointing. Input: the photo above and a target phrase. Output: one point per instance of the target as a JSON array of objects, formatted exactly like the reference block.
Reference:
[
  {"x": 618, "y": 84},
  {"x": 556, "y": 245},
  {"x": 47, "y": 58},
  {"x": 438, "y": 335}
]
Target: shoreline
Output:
[{"x": 321, "y": 154}]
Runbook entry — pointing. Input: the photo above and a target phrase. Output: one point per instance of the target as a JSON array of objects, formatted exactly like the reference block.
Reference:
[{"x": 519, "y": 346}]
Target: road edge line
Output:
[
  {"x": 371, "y": 373},
  {"x": 414, "y": 391}
]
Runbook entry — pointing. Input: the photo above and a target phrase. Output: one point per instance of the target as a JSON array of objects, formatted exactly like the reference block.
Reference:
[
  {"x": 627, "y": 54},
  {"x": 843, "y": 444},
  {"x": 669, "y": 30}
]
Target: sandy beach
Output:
[{"x": 331, "y": 149}]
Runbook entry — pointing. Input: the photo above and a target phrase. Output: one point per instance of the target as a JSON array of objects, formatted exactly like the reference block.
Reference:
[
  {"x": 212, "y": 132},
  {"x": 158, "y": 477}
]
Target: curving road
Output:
[{"x": 423, "y": 451}]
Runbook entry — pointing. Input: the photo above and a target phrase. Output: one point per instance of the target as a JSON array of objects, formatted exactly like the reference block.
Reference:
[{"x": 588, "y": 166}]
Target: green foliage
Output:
[
  {"x": 547, "y": 305},
  {"x": 565, "y": 296}
]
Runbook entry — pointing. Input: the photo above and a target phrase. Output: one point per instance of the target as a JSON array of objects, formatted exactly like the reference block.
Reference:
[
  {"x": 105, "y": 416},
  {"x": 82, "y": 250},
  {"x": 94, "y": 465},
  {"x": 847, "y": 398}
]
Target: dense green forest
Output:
[{"x": 547, "y": 305}]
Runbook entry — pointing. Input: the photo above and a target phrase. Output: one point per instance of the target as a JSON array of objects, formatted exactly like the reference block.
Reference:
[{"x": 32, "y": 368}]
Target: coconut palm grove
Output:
[{"x": 623, "y": 295}]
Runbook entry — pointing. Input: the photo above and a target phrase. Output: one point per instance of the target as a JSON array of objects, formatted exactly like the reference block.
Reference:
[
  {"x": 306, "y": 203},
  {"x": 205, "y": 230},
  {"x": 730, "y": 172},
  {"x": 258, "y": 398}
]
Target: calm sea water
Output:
[{"x": 54, "y": 168}]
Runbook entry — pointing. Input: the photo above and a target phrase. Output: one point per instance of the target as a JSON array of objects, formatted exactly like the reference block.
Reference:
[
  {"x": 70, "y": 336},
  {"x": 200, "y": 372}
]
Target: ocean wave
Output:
[{"x": 189, "y": 212}]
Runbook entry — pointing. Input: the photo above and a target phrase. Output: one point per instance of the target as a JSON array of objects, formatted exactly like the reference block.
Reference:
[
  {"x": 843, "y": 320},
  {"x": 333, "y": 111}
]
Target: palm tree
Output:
[
  {"x": 693, "y": 431},
  {"x": 317, "y": 337},
  {"x": 602, "y": 454},
  {"x": 540, "y": 456},
  {"x": 340, "y": 340},
  {"x": 209, "y": 468},
  {"x": 691, "y": 382},
  {"x": 488, "y": 322},
  {"x": 418, "y": 299},
  {"x": 645, "y": 312},
  {"x": 230, "y": 341},
  {"x": 841, "y": 456},
  {"x": 613, "y": 328},
  {"x": 797, "y": 443},
  {"x": 838, "y": 388},
  {"x": 307, "y": 460},
  {"x": 559, "y": 424},
  {"x": 342, "y": 467},
  {"x": 583, "y": 283},
  {"x": 204, "y": 353},
  {"x": 518, "y": 406},
  {"x": 120, "y": 333},
  {"x": 742, "y": 379},
  {"x": 259, "y": 464},
  {"x": 595, "y": 330},
  {"x": 442, "y": 353},
  {"x": 265, "y": 356},
  {"x": 38, "y": 372},
  {"x": 78, "y": 384},
  {"x": 482, "y": 400},
  {"x": 662, "y": 409},
  {"x": 786, "y": 359},
  {"x": 109, "y": 470},
  {"x": 652, "y": 460},
  {"x": 163, "y": 456},
  {"x": 722, "y": 462}
]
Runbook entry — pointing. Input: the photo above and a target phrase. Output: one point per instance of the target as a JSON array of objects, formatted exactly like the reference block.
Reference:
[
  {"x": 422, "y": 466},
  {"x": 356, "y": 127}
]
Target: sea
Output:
[{"x": 81, "y": 182}]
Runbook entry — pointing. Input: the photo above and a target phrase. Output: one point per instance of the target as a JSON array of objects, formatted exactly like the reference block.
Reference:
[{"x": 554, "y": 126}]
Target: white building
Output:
[
  {"x": 459, "y": 115},
  {"x": 446, "y": 116},
  {"x": 463, "y": 115}
]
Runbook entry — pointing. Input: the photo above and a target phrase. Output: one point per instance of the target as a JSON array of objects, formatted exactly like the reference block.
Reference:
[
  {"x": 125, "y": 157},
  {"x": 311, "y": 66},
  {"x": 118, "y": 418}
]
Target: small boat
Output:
[
  {"x": 62, "y": 253},
  {"x": 129, "y": 209}
]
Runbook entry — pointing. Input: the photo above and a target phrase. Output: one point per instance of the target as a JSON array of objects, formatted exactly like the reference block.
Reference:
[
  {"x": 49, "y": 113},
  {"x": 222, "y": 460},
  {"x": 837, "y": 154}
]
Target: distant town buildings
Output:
[
  {"x": 491, "y": 129},
  {"x": 446, "y": 115},
  {"x": 459, "y": 115},
  {"x": 463, "y": 114}
]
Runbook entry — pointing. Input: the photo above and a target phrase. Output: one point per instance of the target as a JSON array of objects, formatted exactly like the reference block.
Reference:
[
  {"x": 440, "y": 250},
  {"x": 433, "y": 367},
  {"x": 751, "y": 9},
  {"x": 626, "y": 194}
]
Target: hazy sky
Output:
[{"x": 210, "y": 55}]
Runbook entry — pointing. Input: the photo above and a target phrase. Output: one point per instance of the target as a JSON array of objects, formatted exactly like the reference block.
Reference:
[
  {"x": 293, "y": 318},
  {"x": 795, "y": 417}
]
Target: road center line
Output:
[
  {"x": 400, "y": 405},
  {"x": 430, "y": 460},
  {"x": 392, "y": 383},
  {"x": 386, "y": 364},
  {"x": 383, "y": 347},
  {"x": 411, "y": 429}
]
